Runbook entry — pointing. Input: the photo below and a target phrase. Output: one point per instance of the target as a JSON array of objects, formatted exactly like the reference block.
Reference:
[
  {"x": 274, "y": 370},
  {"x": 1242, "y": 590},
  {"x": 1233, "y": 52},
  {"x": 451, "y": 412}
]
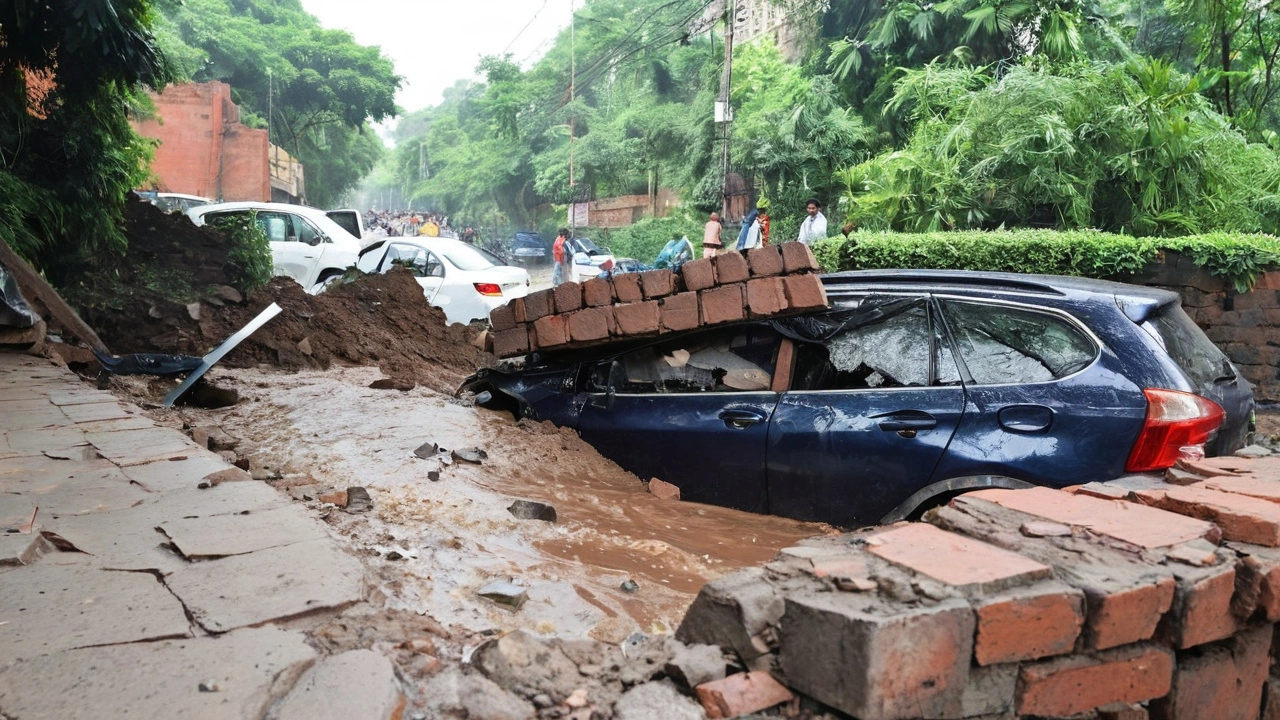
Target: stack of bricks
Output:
[
  {"x": 772, "y": 281},
  {"x": 1138, "y": 598}
]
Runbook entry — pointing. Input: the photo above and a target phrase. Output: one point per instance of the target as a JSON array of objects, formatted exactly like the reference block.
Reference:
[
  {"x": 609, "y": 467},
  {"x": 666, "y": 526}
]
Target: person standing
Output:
[
  {"x": 562, "y": 258},
  {"x": 763, "y": 218},
  {"x": 814, "y": 227},
  {"x": 711, "y": 242}
]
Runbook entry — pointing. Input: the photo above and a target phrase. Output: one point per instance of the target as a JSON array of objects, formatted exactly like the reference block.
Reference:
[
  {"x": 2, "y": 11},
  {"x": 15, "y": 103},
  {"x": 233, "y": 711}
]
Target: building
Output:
[{"x": 205, "y": 150}]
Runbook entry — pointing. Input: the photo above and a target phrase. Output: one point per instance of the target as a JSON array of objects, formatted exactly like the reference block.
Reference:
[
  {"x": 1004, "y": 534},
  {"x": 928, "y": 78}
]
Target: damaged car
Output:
[{"x": 914, "y": 386}]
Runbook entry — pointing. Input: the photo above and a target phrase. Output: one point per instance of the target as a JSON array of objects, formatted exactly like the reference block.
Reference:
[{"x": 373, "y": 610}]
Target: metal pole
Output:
[
  {"x": 573, "y": 80},
  {"x": 726, "y": 88}
]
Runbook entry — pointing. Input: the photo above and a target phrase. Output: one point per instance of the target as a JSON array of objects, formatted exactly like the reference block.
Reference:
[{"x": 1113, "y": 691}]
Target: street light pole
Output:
[{"x": 726, "y": 109}]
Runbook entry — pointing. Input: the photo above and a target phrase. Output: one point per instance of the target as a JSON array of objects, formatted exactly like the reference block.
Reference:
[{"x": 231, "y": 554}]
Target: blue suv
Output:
[{"x": 914, "y": 386}]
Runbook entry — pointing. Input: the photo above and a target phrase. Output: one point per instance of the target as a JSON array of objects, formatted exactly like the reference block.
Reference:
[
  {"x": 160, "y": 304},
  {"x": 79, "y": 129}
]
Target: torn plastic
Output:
[
  {"x": 675, "y": 254},
  {"x": 851, "y": 315},
  {"x": 14, "y": 310},
  {"x": 871, "y": 342},
  {"x": 147, "y": 364}
]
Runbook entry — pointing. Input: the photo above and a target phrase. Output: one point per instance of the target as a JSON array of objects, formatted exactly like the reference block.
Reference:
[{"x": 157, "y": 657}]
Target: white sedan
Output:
[{"x": 463, "y": 280}]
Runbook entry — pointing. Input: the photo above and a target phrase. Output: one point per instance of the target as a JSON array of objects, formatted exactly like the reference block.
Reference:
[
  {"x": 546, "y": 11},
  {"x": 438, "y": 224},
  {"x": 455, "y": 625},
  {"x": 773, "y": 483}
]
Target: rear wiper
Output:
[{"x": 1230, "y": 375}]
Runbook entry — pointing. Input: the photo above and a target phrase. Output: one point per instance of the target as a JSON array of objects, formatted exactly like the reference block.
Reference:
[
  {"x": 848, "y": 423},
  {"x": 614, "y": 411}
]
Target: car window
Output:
[
  {"x": 1189, "y": 347},
  {"x": 304, "y": 232},
  {"x": 417, "y": 260},
  {"x": 733, "y": 360},
  {"x": 887, "y": 352},
  {"x": 1002, "y": 345},
  {"x": 465, "y": 257}
]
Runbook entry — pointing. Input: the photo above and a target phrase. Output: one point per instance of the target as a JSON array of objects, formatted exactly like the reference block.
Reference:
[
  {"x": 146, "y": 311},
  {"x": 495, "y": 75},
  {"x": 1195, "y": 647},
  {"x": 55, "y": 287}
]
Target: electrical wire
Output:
[{"x": 526, "y": 26}]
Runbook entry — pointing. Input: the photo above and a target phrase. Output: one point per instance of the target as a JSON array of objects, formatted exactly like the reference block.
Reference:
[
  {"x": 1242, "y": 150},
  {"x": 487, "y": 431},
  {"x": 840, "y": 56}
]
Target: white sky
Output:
[{"x": 435, "y": 43}]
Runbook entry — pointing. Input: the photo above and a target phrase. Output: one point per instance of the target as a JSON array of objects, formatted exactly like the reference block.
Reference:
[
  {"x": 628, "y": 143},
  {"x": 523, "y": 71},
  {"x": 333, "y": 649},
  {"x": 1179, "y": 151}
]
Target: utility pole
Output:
[
  {"x": 573, "y": 80},
  {"x": 724, "y": 110},
  {"x": 270, "y": 102}
]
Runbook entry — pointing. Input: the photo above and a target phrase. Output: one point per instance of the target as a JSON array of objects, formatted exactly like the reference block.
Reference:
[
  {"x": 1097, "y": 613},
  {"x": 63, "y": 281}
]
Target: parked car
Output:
[
  {"x": 629, "y": 265},
  {"x": 529, "y": 249},
  {"x": 914, "y": 386},
  {"x": 351, "y": 221},
  {"x": 463, "y": 280},
  {"x": 587, "y": 259},
  {"x": 305, "y": 244}
]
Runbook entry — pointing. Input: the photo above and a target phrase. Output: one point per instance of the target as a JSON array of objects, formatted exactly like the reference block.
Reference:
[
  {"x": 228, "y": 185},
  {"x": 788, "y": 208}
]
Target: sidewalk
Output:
[{"x": 158, "y": 578}]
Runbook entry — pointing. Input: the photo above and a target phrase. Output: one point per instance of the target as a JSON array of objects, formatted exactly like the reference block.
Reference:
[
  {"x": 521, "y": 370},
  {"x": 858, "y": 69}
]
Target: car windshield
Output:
[
  {"x": 465, "y": 257},
  {"x": 585, "y": 245}
]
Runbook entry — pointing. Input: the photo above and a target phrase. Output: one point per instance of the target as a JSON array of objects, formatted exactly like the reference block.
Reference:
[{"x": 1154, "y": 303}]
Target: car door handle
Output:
[
  {"x": 741, "y": 419},
  {"x": 909, "y": 421}
]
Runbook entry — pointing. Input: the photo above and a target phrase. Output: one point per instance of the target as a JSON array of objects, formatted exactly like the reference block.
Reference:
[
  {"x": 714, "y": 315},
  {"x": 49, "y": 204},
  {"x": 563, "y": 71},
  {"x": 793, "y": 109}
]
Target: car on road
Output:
[
  {"x": 912, "y": 387},
  {"x": 589, "y": 259},
  {"x": 528, "y": 249},
  {"x": 306, "y": 244},
  {"x": 465, "y": 281}
]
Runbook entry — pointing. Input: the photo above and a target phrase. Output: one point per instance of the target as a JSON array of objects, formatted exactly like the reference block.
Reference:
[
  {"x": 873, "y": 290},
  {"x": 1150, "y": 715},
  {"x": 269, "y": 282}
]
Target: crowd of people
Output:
[
  {"x": 402, "y": 223},
  {"x": 755, "y": 228}
]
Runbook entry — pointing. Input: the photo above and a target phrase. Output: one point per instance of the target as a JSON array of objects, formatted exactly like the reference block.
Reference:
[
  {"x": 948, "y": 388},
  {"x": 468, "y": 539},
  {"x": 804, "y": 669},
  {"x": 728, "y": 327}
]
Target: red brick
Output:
[
  {"x": 640, "y": 318},
  {"x": 1028, "y": 624},
  {"x": 1134, "y": 524},
  {"x": 333, "y": 497},
  {"x": 626, "y": 288},
  {"x": 551, "y": 331},
  {"x": 679, "y": 312},
  {"x": 954, "y": 559},
  {"x": 503, "y": 317},
  {"x": 805, "y": 292},
  {"x": 1262, "y": 488},
  {"x": 568, "y": 297},
  {"x": 510, "y": 343},
  {"x": 698, "y": 274},
  {"x": 723, "y": 304},
  {"x": 519, "y": 310},
  {"x": 1201, "y": 611},
  {"x": 765, "y": 261},
  {"x": 1079, "y": 683},
  {"x": 1257, "y": 582},
  {"x": 590, "y": 324},
  {"x": 797, "y": 257},
  {"x": 766, "y": 296},
  {"x": 1222, "y": 682},
  {"x": 731, "y": 267},
  {"x": 663, "y": 490},
  {"x": 1242, "y": 518},
  {"x": 741, "y": 694},
  {"x": 597, "y": 292},
  {"x": 1119, "y": 618},
  {"x": 538, "y": 305},
  {"x": 657, "y": 283},
  {"x": 1122, "y": 711}
]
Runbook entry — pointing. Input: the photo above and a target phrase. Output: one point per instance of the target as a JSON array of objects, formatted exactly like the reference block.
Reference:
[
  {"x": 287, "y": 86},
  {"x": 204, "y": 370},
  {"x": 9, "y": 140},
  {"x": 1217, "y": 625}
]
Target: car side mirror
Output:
[{"x": 314, "y": 240}]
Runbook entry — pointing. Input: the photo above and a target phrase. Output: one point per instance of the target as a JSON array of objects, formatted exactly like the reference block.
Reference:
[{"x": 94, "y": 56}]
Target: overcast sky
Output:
[{"x": 434, "y": 43}]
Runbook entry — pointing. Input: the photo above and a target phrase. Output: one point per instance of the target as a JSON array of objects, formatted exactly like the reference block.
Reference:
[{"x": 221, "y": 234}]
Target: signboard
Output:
[{"x": 578, "y": 215}]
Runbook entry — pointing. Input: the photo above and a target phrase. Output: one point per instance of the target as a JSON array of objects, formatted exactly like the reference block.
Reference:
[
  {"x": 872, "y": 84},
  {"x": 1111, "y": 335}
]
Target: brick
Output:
[
  {"x": 741, "y": 694},
  {"x": 862, "y": 658},
  {"x": 663, "y": 490},
  {"x": 733, "y": 611},
  {"x": 765, "y": 261},
  {"x": 1122, "y": 711},
  {"x": 519, "y": 310},
  {"x": 1079, "y": 683},
  {"x": 722, "y": 304},
  {"x": 805, "y": 292},
  {"x": 679, "y": 312},
  {"x": 1028, "y": 623},
  {"x": 1242, "y": 518},
  {"x": 698, "y": 274},
  {"x": 626, "y": 288},
  {"x": 1224, "y": 681},
  {"x": 597, "y": 292},
  {"x": 657, "y": 283},
  {"x": 538, "y": 305},
  {"x": 551, "y": 332},
  {"x": 731, "y": 267},
  {"x": 797, "y": 258},
  {"x": 568, "y": 297},
  {"x": 1257, "y": 582},
  {"x": 1202, "y": 606},
  {"x": 511, "y": 343},
  {"x": 1261, "y": 488},
  {"x": 640, "y": 318},
  {"x": 765, "y": 297},
  {"x": 503, "y": 317},
  {"x": 333, "y": 497},
  {"x": 589, "y": 325},
  {"x": 953, "y": 559},
  {"x": 1126, "y": 522}
]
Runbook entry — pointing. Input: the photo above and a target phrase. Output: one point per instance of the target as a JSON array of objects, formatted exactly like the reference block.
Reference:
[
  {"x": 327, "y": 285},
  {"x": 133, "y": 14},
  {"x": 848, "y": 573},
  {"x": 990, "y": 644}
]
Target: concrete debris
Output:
[
  {"x": 742, "y": 694},
  {"x": 656, "y": 701},
  {"x": 504, "y": 593},
  {"x": 304, "y": 346},
  {"x": 333, "y": 497},
  {"x": 455, "y": 692},
  {"x": 694, "y": 665},
  {"x": 629, "y": 586},
  {"x": 355, "y": 684},
  {"x": 1253, "y": 451},
  {"x": 531, "y": 510},
  {"x": 427, "y": 450},
  {"x": 663, "y": 490},
  {"x": 475, "y": 456},
  {"x": 358, "y": 500}
]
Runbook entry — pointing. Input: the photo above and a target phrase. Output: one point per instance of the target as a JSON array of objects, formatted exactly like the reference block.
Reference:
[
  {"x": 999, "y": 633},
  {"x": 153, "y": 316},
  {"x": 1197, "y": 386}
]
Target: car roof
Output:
[
  {"x": 183, "y": 196},
  {"x": 253, "y": 205},
  {"x": 439, "y": 244}
]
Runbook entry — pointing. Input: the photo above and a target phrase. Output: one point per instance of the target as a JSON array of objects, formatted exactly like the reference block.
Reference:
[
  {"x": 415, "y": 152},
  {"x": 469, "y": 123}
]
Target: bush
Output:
[
  {"x": 645, "y": 239},
  {"x": 249, "y": 258},
  {"x": 1234, "y": 257}
]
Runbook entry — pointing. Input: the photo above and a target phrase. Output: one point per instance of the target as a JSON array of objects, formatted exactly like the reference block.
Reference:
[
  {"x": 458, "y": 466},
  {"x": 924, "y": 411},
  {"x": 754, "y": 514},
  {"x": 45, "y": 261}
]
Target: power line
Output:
[{"x": 526, "y": 26}]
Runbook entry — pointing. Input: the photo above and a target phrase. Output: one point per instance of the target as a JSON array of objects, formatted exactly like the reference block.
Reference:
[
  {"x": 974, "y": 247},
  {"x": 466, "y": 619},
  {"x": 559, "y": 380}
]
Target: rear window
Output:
[
  {"x": 465, "y": 257},
  {"x": 1189, "y": 347},
  {"x": 1003, "y": 345}
]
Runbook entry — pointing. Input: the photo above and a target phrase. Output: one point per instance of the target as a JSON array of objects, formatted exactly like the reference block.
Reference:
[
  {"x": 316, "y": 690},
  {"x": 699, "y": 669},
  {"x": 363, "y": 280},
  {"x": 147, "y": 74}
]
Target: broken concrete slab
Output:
[
  {"x": 52, "y": 606},
  {"x": 733, "y": 611},
  {"x": 96, "y": 412},
  {"x": 656, "y": 701},
  {"x": 271, "y": 584},
  {"x": 530, "y": 510},
  {"x": 18, "y": 549},
  {"x": 240, "y": 533},
  {"x": 249, "y": 667},
  {"x": 454, "y": 692},
  {"x": 175, "y": 474},
  {"x": 139, "y": 447},
  {"x": 355, "y": 684},
  {"x": 121, "y": 539},
  {"x": 504, "y": 593}
]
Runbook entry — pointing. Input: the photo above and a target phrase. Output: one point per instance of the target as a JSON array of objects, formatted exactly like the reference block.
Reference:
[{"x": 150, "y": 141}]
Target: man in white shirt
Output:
[{"x": 814, "y": 227}]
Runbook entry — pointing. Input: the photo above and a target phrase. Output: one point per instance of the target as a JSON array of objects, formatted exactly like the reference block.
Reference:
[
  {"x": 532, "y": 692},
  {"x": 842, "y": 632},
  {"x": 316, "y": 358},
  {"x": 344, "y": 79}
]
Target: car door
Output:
[
  {"x": 875, "y": 398},
  {"x": 1043, "y": 406},
  {"x": 311, "y": 244},
  {"x": 426, "y": 268},
  {"x": 694, "y": 412}
]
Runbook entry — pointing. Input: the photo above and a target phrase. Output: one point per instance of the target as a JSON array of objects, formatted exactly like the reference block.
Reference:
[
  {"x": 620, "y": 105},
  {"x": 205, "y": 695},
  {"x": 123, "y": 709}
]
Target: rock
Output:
[
  {"x": 1043, "y": 528},
  {"x": 209, "y": 686},
  {"x": 213, "y": 438},
  {"x": 504, "y": 592},
  {"x": 694, "y": 665},
  {"x": 475, "y": 456},
  {"x": 334, "y": 497},
  {"x": 455, "y": 693},
  {"x": 228, "y": 293},
  {"x": 425, "y": 450},
  {"x": 355, "y": 684},
  {"x": 358, "y": 500},
  {"x": 732, "y": 611},
  {"x": 656, "y": 701},
  {"x": 205, "y": 394},
  {"x": 528, "y": 665},
  {"x": 304, "y": 346},
  {"x": 1253, "y": 451},
  {"x": 193, "y": 310},
  {"x": 530, "y": 510},
  {"x": 663, "y": 490},
  {"x": 392, "y": 384},
  {"x": 629, "y": 586},
  {"x": 577, "y": 699}
]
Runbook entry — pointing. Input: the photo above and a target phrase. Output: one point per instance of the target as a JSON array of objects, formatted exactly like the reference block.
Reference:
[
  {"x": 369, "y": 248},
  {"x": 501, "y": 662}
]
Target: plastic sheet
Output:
[{"x": 14, "y": 310}]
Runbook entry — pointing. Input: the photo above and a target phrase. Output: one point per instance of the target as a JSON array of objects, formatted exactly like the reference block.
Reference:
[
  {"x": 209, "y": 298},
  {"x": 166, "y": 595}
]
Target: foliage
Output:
[
  {"x": 1237, "y": 258},
  {"x": 645, "y": 239},
  {"x": 250, "y": 250}
]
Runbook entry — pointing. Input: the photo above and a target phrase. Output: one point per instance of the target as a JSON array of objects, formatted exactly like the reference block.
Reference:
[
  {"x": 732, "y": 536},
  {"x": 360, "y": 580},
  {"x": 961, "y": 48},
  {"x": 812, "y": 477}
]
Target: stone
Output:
[
  {"x": 511, "y": 343},
  {"x": 227, "y": 293},
  {"x": 358, "y": 500},
  {"x": 731, "y": 611},
  {"x": 589, "y": 325},
  {"x": 731, "y": 267},
  {"x": 694, "y": 665},
  {"x": 1253, "y": 451},
  {"x": 551, "y": 331},
  {"x": 193, "y": 311},
  {"x": 953, "y": 559},
  {"x": 1078, "y": 683},
  {"x": 213, "y": 438},
  {"x": 698, "y": 274},
  {"x": 663, "y": 490},
  {"x": 766, "y": 296},
  {"x": 626, "y": 288},
  {"x": 798, "y": 257},
  {"x": 504, "y": 593},
  {"x": 538, "y": 305},
  {"x": 353, "y": 684},
  {"x": 304, "y": 346},
  {"x": 530, "y": 510},
  {"x": 454, "y": 692},
  {"x": 765, "y": 261},
  {"x": 723, "y": 304},
  {"x": 333, "y": 497},
  {"x": 597, "y": 292},
  {"x": 1224, "y": 681},
  {"x": 679, "y": 312},
  {"x": 503, "y": 317},
  {"x": 392, "y": 384},
  {"x": 656, "y": 701},
  {"x": 568, "y": 297},
  {"x": 639, "y": 318},
  {"x": 657, "y": 283},
  {"x": 804, "y": 292},
  {"x": 742, "y": 694}
]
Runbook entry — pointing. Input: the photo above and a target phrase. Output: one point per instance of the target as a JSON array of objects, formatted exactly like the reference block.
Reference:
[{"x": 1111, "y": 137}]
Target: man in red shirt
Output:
[{"x": 561, "y": 273}]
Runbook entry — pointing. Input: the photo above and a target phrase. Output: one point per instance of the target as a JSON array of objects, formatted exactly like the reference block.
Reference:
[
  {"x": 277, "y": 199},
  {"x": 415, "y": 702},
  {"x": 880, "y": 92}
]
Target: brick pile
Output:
[
  {"x": 1137, "y": 598},
  {"x": 771, "y": 281}
]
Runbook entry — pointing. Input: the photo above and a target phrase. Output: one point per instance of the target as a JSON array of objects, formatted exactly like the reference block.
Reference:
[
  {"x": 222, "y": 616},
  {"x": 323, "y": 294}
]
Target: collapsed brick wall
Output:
[
  {"x": 1131, "y": 599},
  {"x": 771, "y": 281}
]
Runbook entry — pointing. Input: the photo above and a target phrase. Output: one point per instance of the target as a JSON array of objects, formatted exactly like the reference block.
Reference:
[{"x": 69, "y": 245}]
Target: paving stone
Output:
[
  {"x": 503, "y": 317},
  {"x": 31, "y": 415},
  {"x": 79, "y": 396},
  {"x": 804, "y": 292},
  {"x": 1223, "y": 681},
  {"x": 94, "y": 412},
  {"x": 568, "y": 297},
  {"x": 589, "y": 325},
  {"x": 765, "y": 261},
  {"x": 597, "y": 292},
  {"x": 640, "y": 318},
  {"x": 538, "y": 305},
  {"x": 766, "y": 296},
  {"x": 626, "y": 288},
  {"x": 108, "y": 490},
  {"x": 511, "y": 343},
  {"x": 963, "y": 563},
  {"x": 138, "y": 447},
  {"x": 159, "y": 679},
  {"x": 1079, "y": 683},
  {"x": 67, "y": 603},
  {"x": 354, "y": 684},
  {"x": 223, "y": 535},
  {"x": 175, "y": 474},
  {"x": 1242, "y": 518},
  {"x": 798, "y": 257},
  {"x": 17, "y": 443},
  {"x": 270, "y": 584},
  {"x": 742, "y": 694},
  {"x": 551, "y": 331}
]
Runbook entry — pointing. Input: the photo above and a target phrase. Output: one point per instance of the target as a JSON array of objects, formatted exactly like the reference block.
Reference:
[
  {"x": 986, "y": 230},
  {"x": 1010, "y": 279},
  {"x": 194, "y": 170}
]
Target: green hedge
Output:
[{"x": 1234, "y": 257}]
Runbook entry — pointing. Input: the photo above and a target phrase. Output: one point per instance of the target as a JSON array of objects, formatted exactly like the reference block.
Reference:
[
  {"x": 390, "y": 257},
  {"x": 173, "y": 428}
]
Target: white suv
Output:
[{"x": 306, "y": 244}]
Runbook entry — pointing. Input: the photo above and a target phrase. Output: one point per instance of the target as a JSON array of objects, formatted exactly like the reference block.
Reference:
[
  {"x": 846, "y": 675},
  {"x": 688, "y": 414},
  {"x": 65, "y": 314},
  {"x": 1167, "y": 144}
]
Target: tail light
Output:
[
  {"x": 489, "y": 289},
  {"x": 1174, "y": 420}
]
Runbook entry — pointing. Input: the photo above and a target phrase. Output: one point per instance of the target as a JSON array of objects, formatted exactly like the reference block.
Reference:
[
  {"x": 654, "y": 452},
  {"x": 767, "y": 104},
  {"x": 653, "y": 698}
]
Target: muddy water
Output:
[{"x": 456, "y": 534}]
